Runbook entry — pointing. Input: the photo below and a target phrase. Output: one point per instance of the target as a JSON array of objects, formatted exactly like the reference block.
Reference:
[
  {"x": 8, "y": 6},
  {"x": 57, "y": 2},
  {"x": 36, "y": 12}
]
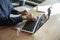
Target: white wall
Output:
[{"x": 47, "y": 2}]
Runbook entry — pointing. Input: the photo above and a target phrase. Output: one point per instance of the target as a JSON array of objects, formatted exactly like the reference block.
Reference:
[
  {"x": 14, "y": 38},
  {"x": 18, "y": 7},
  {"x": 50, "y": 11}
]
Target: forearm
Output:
[
  {"x": 10, "y": 20},
  {"x": 13, "y": 11}
]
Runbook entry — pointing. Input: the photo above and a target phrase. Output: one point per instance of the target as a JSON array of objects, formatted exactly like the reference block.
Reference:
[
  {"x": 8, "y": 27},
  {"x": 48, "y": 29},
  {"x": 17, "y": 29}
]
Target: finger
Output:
[
  {"x": 34, "y": 18},
  {"x": 25, "y": 11}
]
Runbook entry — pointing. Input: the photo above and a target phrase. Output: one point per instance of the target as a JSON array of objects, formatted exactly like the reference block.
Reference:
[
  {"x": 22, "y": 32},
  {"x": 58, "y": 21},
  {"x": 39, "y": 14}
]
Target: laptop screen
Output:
[{"x": 37, "y": 1}]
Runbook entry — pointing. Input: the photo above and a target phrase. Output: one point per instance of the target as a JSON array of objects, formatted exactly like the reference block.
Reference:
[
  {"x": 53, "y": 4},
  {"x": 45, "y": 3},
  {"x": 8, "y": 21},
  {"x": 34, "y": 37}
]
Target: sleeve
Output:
[
  {"x": 7, "y": 20},
  {"x": 13, "y": 11},
  {"x": 10, "y": 20}
]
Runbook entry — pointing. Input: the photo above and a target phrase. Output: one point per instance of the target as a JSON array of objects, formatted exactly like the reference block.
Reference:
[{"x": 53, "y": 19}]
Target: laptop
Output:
[{"x": 33, "y": 26}]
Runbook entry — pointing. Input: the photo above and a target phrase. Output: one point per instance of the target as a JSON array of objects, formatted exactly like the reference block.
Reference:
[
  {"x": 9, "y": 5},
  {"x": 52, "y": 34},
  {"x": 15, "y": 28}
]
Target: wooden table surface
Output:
[{"x": 49, "y": 31}]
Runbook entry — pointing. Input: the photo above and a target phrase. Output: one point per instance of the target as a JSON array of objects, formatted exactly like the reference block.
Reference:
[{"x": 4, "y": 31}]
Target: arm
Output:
[
  {"x": 13, "y": 11},
  {"x": 10, "y": 20},
  {"x": 7, "y": 20}
]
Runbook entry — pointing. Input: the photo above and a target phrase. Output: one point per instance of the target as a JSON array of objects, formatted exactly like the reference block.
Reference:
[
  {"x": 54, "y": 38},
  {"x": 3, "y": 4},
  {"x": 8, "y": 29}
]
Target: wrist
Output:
[
  {"x": 24, "y": 17},
  {"x": 19, "y": 12}
]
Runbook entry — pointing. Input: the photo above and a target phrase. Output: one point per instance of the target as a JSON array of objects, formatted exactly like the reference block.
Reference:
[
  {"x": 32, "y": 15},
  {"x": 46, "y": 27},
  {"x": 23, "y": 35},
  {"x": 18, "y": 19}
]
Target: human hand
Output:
[
  {"x": 25, "y": 12},
  {"x": 29, "y": 17}
]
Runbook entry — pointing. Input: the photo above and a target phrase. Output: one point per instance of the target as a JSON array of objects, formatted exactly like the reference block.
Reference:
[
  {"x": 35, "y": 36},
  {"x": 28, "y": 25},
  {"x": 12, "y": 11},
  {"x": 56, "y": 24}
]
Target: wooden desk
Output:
[
  {"x": 9, "y": 34},
  {"x": 33, "y": 11},
  {"x": 49, "y": 31}
]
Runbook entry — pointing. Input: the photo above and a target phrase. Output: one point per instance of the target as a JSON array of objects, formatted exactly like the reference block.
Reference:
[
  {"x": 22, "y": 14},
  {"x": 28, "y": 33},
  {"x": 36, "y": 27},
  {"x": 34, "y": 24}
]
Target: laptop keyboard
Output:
[{"x": 29, "y": 25}]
